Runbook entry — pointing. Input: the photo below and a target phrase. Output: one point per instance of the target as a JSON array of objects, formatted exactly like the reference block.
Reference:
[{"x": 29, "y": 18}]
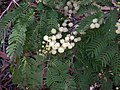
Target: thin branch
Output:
[
  {"x": 6, "y": 9},
  {"x": 13, "y": 1}
]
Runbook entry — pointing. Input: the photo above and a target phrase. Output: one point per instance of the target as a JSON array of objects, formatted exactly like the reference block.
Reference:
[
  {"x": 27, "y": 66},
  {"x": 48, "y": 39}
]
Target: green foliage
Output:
[{"x": 28, "y": 72}]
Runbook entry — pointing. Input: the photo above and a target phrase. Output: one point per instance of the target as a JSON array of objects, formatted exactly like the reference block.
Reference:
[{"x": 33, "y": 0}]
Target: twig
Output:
[
  {"x": 13, "y": 1},
  {"x": 6, "y": 9}
]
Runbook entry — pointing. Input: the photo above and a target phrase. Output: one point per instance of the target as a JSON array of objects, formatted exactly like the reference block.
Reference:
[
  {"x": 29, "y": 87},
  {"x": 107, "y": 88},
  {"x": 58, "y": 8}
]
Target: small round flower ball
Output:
[
  {"x": 58, "y": 25},
  {"x": 53, "y": 52},
  {"x": 42, "y": 46},
  {"x": 72, "y": 37},
  {"x": 62, "y": 41},
  {"x": 118, "y": 27},
  {"x": 68, "y": 35},
  {"x": 79, "y": 39},
  {"x": 97, "y": 25},
  {"x": 71, "y": 6},
  {"x": 64, "y": 24},
  {"x": 53, "y": 31},
  {"x": 117, "y": 24},
  {"x": 72, "y": 44},
  {"x": 45, "y": 38},
  {"x": 75, "y": 33},
  {"x": 70, "y": 24},
  {"x": 40, "y": 50},
  {"x": 65, "y": 29},
  {"x": 49, "y": 40},
  {"x": 53, "y": 38},
  {"x": 66, "y": 21},
  {"x": 119, "y": 20},
  {"x": 68, "y": 44},
  {"x": 67, "y": 38},
  {"x": 117, "y": 31},
  {"x": 43, "y": 42},
  {"x": 70, "y": 47},
  {"x": 64, "y": 45},
  {"x": 76, "y": 26},
  {"x": 59, "y": 35},
  {"x": 66, "y": 8},
  {"x": 57, "y": 45},
  {"x": 77, "y": 8},
  {"x": 48, "y": 48},
  {"x": 70, "y": 11},
  {"x": 69, "y": 3},
  {"x": 117, "y": 88},
  {"x": 51, "y": 44},
  {"x": 92, "y": 26},
  {"x": 60, "y": 50},
  {"x": 95, "y": 20},
  {"x": 75, "y": 4},
  {"x": 61, "y": 29},
  {"x": 75, "y": 40}
]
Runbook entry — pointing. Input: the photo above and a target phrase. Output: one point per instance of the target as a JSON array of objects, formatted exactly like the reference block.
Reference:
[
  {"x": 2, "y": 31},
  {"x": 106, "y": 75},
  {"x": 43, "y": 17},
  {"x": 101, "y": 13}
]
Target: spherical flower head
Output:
[
  {"x": 79, "y": 39},
  {"x": 70, "y": 47},
  {"x": 65, "y": 29},
  {"x": 53, "y": 31},
  {"x": 72, "y": 37},
  {"x": 64, "y": 24},
  {"x": 57, "y": 45},
  {"x": 117, "y": 31},
  {"x": 95, "y": 20},
  {"x": 76, "y": 26},
  {"x": 61, "y": 29},
  {"x": 70, "y": 24},
  {"x": 64, "y": 45},
  {"x": 72, "y": 44},
  {"x": 53, "y": 38},
  {"x": 70, "y": 11},
  {"x": 118, "y": 27},
  {"x": 51, "y": 44},
  {"x": 97, "y": 25},
  {"x": 92, "y": 26},
  {"x": 59, "y": 35},
  {"x": 62, "y": 41},
  {"x": 77, "y": 8},
  {"x": 60, "y": 50},
  {"x": 117, "y": 24},
  {"x": 68, "y": 35},
  {"x": 67, "y": 38},
  {"x": 75, "y": 40},
  {"x": 45, "y": 38},
  {"x": 66, "y": 8},
  {"x": 75, "y": 4},
  {"x": 43, "y": 42},
  {"x": 69, "y": 3},
  {"x": 75, "y": 33},
  {"x": 53, "y": 52},
  {"x": 119, "y": 20}
]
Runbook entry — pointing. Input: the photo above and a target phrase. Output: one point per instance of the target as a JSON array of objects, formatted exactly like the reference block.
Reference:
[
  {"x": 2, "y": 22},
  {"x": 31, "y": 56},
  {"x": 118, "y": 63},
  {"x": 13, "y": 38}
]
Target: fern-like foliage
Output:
[
  {"x": 16, "y": 41},
  {"x": 17, "y": 38}
]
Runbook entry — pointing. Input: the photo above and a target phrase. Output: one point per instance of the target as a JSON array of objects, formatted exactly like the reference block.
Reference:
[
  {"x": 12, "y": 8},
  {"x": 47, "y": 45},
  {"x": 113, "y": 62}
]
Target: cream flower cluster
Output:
[
  {"x": 63, "y": 38},
  {"x": 118, "y": 27},
  {"x": 94, "y": 24},
  {"x": 71, "y": 7},
  {"x": 59, "y": 41}
]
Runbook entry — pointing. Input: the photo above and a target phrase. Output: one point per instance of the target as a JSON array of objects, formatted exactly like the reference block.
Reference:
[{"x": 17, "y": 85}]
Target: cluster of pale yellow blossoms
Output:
[
  {"x": 118, "y": 27},
  {"x": 94, "y": 24},
  {"x": 62, "y": 38}
]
